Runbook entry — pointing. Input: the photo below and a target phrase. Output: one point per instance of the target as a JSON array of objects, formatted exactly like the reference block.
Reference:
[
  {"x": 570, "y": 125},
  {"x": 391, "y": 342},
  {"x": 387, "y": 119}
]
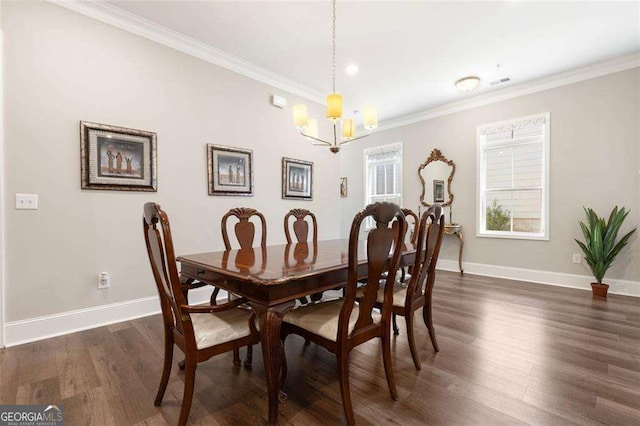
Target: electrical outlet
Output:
[
  {"x": 104, "y": 280},
  {"x": 26, "y": 201},
  {"x": 577, "y": 258}
]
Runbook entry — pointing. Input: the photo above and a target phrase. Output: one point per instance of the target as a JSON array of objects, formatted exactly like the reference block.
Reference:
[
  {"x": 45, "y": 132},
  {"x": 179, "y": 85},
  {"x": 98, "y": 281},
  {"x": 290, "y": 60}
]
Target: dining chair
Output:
[
  {"x": 245, "y": 233},
  {"x": 300, "y": 228},
  {"x": 200, "y": 332},
  {"x": 341, "y": 325},
  {"x": 418, "y": 292}
]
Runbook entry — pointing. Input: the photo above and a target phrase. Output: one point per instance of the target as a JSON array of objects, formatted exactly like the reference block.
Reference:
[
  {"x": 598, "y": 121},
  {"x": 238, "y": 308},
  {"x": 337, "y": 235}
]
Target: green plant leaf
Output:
[
  {"x": 585, "y": 232},
  {"x": 615, "y": 221},
  {"x": 623, "y": 242}
]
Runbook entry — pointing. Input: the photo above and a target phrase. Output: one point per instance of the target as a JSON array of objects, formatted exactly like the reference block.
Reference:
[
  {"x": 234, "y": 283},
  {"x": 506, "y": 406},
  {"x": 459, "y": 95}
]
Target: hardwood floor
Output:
[{"x": 511, "y": 353}]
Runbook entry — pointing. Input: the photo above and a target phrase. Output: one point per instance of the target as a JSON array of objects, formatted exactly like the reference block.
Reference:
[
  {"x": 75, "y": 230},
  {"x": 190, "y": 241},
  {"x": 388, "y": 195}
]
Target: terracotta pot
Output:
[{"x": 599, "y": 290}]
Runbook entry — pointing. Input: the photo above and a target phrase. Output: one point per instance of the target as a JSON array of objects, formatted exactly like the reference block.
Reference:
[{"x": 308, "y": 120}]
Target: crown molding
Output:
[
  {"x": 114, "y": 16},
  {"x": 599, "y": 69}
]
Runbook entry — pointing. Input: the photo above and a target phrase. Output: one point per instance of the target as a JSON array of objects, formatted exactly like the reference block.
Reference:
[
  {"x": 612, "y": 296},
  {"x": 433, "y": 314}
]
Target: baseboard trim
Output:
[
  {"x": 559, "y": 279},
  {"x": 34, "y": 329}
]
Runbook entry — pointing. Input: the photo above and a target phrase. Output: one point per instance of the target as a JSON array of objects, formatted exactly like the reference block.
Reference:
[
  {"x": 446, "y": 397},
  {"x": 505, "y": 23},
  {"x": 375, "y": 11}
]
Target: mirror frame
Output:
[{"x": 436, "y": 155}]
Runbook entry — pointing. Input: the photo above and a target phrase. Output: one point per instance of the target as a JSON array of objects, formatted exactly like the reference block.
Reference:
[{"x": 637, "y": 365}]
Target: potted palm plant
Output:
[{"x": 600, "y": 247}]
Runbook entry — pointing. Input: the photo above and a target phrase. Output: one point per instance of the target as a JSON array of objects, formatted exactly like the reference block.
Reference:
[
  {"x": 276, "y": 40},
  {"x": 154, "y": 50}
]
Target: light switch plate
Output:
[
  {"x": 26, "y": 201},
  {"x": 577, "y": 258}
]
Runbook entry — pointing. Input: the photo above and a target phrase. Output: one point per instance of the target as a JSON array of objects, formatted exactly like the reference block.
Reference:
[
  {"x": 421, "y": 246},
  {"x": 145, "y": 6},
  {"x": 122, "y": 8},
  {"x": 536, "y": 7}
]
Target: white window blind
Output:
[
  {"x": 383, "y": 168},
  {"x": 512, "y": 182}
]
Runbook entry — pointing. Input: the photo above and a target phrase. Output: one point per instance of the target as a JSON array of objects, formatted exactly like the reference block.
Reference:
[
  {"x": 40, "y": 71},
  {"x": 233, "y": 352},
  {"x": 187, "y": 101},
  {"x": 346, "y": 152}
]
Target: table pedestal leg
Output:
[
  {"x": 461, "y": 238},
  {"x": 270, "y": 320}
]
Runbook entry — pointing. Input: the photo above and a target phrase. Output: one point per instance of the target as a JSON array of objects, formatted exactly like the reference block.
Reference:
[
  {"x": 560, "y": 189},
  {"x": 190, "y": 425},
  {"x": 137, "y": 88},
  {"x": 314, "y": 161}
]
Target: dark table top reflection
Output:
[{"x": 278, "y": 264}]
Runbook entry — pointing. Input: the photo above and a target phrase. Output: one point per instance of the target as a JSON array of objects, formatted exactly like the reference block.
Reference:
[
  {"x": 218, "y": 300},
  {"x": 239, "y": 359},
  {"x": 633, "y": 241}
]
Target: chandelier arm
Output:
[
  {"x": 356, "y": 138},
  {"x": 316, "y": 139}
]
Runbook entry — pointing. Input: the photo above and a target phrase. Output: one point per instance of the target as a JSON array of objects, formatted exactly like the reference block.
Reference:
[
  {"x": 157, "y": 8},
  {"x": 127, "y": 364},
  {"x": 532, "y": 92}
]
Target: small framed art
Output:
[
  {"x": 229, "y": 170},
  {"x": 117, "y": 159},
  {"x": 438, "y": 191},
  {"x": 297, "y": 179},
  {"x": 343, "y": 187}
]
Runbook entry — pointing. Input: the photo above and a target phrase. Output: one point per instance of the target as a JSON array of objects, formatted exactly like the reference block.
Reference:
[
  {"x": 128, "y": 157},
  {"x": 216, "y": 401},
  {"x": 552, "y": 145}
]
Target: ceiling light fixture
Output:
[
  {"x": 467, "y": 84},
  {"x": 351, "y": 69},
  {"x": 308, "y": 127}
]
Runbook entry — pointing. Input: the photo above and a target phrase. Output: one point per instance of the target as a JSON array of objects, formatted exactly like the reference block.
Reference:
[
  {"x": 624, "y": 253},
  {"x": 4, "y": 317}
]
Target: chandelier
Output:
[{"x": 308, "y": 127}]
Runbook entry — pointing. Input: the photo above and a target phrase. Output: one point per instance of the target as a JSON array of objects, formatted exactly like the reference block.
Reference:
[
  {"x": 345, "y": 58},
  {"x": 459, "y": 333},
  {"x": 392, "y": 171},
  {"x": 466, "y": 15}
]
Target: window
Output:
[
  {"x": 513, "y": 178},
  {"x": 383, "y": 168}
]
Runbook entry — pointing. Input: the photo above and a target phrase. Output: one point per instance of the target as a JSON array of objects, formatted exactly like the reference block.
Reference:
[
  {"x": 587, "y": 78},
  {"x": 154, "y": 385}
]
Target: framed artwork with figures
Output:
[
  {"x": 229, "y": 170},
  {"x": 117, "y": 158},
  {"x": 297, "y": 179}
]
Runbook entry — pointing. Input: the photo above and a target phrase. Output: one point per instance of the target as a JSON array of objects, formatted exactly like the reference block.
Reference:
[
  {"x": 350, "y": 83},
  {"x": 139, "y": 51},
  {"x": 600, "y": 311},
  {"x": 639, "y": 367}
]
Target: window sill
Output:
[{"x": 513, "y": 236}]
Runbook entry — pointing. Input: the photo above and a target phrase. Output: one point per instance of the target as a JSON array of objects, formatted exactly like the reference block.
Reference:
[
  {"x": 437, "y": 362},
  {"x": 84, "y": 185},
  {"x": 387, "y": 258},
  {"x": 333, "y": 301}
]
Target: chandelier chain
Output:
[{"x": 333, "y": 59}]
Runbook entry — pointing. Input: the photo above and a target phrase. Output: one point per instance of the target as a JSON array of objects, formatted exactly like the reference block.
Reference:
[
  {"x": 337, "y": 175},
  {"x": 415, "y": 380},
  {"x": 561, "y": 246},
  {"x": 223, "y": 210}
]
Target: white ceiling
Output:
[{"x": 409, "y": 53}]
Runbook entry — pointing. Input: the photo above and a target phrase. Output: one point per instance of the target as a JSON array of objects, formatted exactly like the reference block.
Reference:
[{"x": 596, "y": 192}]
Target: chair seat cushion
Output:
[
  {"x": 322, "y": 318},
  {"x": 399, "y": 295},
  {"x": 221, "y": 327}
]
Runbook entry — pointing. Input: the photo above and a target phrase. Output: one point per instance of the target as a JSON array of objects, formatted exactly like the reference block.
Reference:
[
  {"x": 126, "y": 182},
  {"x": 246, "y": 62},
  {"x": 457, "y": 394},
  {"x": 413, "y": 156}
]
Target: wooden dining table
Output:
[{"x": 272, "y": 278}]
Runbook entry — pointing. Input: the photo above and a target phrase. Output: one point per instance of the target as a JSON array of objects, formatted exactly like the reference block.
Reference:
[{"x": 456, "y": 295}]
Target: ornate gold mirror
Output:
[{"x": 436, "y": 174}]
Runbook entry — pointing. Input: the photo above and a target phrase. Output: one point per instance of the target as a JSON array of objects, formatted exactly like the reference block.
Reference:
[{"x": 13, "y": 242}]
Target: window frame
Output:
[
  {"x": 481, "y": 184},
  {"x": 367, "y": 186}
]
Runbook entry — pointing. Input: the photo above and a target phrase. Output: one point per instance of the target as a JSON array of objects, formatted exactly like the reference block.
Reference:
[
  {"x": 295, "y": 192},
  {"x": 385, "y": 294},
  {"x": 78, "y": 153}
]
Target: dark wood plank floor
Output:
[{"x": 511, "y": 353}]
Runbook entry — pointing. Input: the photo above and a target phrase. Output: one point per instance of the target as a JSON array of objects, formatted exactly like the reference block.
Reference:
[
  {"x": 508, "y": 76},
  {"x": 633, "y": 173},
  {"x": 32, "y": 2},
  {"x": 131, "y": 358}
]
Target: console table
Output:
[{"x": 456, "y": 229}]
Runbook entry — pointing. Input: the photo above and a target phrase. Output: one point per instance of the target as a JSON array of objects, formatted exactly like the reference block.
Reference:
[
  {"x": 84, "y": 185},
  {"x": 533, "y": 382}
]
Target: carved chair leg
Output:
[
  {"x": 249, "y": 358},
  {"x": 283, "y": 364},
  {"x": 396, "y": 330},
  {"x": 236, "y": 357},
  {"x": 345, "y": 392},
  {"x": 214, "y": 296},
  {"x": 403, "y": 275},
  {"x": 412, "y": 341},
  {"x": 181, "y": 365},
  {"x": 189, "y": 384},
  {"x": 386, "y": 359},
  {"x": 166, "y": 368},
  {"x": 428, "y": 321}
]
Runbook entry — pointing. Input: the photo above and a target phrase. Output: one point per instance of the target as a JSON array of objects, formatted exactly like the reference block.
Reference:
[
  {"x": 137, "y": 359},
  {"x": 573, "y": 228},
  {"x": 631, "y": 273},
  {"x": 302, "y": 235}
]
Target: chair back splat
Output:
[
  {"x": 244, "y": 229},
  {"x": 412, "y": 219},
  {"x": 300, "y": 225}
]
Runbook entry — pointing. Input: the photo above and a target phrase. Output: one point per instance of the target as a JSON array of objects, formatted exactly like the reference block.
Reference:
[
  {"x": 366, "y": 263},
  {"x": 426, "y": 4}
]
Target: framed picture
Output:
[
  {"x": 230, "y": 170},
  {"x": 343, "y": 187},
  {"x": 117, "y": 159},
  {"x": 438, "y": 191},
  {"x": 297, "y": 179}
]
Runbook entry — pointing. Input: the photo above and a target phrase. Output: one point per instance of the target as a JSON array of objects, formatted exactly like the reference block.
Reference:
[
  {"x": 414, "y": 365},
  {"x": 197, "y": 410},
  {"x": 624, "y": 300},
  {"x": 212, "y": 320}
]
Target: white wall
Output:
[
  {"x": 62, "y": 67},
  {"x": 594, "y": 162}
]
